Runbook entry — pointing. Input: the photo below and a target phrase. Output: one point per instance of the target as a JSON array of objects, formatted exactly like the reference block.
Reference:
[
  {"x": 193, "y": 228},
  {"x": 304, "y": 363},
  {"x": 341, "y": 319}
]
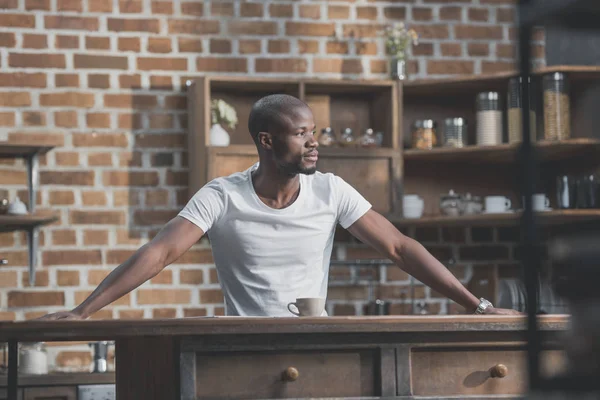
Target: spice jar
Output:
[
  {"x": 489, "y": 119},
  {"x": 557, "y": 113},
  {"x": 347, "y": 139},
  {"x": 368, "y": 139},
  {"x": 326, "y": 138},
  {"x": 424, "y": 134},
  {"x": 515, "y": 112},
  {"x": 455, "y": 132}
]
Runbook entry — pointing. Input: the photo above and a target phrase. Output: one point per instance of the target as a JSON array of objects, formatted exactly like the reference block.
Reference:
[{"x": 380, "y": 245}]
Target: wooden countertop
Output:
[
  {"x": 28, "y": 331},
  {"x": 63, "y": 379}
]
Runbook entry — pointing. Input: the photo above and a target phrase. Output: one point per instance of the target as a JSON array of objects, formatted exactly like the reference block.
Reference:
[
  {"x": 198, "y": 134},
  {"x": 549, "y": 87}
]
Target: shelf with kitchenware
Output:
[
  {"x": 464, "y": 135},
  {"x": 15, "y": 216},
  {"x": 365, "y": 111}
]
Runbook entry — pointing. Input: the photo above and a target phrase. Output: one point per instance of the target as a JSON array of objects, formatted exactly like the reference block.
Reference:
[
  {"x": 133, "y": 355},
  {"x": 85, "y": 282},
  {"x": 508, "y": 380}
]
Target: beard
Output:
[{"x": 294, "y": 168}]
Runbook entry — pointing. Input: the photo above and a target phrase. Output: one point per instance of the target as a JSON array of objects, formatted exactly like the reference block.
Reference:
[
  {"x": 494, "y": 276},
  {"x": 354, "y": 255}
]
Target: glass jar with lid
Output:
[
  {"x": 368, "y": 139},
  {"x": 326, "y": 138},
  {"x": 557, "y": 112},
  {"x": 489, "y": 119},
  {"x": 347, "y": 138},
  {"x": 424, "y": 134},
  {"x": 515, "y": 111},
  {"x": 455, "y": 132}
]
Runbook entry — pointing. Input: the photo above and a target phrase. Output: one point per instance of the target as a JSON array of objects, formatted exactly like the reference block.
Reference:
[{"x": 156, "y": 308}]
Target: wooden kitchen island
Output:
[{"x": 368, "y": 357}]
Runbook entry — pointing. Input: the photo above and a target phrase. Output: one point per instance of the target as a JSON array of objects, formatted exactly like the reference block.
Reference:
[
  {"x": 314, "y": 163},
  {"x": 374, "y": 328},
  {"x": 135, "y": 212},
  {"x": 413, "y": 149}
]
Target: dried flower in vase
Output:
[
  {"x": 398, "y": 40},
  {"x": 223, "y": 113}
]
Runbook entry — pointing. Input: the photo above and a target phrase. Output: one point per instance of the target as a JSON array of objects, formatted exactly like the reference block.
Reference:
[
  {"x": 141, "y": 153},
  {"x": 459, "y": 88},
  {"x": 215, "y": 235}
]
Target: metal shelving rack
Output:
[{"x": 572, "y": 14}]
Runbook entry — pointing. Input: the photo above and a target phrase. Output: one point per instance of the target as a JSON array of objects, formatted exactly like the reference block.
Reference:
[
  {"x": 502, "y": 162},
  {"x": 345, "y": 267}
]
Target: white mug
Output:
[
  {"x": 308, "y": 306},
  {"x": 497, "y": 204},
  {"x": 412, "y": 206},
  {"x": 540, "y": 202}
]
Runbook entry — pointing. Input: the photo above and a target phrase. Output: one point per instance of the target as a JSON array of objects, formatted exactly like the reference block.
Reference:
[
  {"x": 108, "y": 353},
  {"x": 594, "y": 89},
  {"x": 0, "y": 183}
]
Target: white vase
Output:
[{"x": 219, "y": 136}]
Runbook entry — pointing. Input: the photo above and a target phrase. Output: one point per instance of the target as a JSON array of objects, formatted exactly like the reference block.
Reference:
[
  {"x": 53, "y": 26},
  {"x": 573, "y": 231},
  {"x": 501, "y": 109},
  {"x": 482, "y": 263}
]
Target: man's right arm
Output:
[{"x": 174, "y": 239}]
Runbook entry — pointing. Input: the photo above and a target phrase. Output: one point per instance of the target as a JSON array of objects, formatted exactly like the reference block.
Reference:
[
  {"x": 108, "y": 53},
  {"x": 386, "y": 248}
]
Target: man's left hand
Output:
[{"x": 501, "y": 311}]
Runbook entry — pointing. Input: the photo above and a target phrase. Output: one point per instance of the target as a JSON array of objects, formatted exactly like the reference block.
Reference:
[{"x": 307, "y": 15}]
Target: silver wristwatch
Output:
[{"x": 483, "y": 305}]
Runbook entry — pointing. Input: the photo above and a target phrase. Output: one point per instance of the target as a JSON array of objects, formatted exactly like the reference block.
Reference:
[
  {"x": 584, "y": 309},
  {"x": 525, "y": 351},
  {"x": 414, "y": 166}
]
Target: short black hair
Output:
[{"x": 269, "y": 113}]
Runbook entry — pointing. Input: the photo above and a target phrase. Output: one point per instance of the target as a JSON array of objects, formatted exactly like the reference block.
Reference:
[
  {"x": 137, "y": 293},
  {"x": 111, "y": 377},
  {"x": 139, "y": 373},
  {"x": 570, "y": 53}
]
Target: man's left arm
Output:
[{"x": 408, "y": 254}]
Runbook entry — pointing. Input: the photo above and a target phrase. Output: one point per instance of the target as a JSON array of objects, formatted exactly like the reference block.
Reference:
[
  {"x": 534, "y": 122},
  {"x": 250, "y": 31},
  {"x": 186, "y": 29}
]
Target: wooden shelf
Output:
[
  {"x": 23, "y": 222},
  {"x": 8, "y": 150},
  {"x": 341, "y": 152},
  {"x": 555, "y": 217},
  {"x": 506, "y": 153}
]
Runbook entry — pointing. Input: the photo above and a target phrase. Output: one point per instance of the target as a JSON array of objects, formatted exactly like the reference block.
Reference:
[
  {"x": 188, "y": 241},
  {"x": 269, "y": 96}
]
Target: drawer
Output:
[
  {"x": 285, "y": 374},
  {"x": 476, "y": 371}
]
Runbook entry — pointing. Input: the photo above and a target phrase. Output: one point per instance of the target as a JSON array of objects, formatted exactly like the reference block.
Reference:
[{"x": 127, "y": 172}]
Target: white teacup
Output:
[
  {"x": 308, "y": 306},
  {"x": 497, "y": 204},
  {"x": 412, "y": 206},
  {"x": 540, "y": 202}
]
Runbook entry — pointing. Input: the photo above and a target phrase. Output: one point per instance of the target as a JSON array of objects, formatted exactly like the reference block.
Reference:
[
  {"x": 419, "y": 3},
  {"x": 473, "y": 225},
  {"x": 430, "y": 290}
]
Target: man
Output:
[{"x": 272, "y": 226}]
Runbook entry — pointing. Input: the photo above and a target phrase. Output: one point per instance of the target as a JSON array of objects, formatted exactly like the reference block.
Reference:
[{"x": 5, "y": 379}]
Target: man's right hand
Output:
[{"x": 63, "y": 315}]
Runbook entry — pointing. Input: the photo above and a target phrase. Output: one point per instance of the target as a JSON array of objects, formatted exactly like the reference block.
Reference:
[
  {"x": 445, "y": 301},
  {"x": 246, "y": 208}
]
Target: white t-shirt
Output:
[{"x": 265, "y": 257}]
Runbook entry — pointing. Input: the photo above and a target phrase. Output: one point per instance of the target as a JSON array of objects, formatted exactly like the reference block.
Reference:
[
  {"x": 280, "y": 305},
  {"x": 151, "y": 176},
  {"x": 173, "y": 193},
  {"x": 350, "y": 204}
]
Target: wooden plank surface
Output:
[
  {"x": 82, "y": 330},
  {"x": 63, "y": 379}
]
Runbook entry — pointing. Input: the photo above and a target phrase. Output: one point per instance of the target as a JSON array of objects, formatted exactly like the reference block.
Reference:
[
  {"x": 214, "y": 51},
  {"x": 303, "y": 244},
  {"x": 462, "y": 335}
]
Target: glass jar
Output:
[
  {"x": 557, "y": 112},
  {"x": 451, "y": 204},
  {"x": 424, "y": 134},
  {"x": 368, "y": 139},
  {"x": 33, "y": 358},
  {"x": 347, "y": 139},
  {"x": 455, "y": 132},
  {"x": 489, "y": 119},
  {"x": 515, "y": 111},
  {"x": 326, "y": 138}
]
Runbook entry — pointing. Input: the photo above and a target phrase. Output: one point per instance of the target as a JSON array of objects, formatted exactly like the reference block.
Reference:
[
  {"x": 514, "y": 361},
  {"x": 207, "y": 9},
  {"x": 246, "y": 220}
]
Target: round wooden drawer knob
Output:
[
  {"x": 499, "y": 371},
  {"x": 290, "y": 374}
]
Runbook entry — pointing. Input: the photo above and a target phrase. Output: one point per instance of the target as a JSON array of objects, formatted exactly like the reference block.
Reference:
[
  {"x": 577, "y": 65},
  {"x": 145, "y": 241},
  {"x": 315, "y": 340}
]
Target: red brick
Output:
[
  {"x": 66, "y": 80},
  {"x": 478, "y": 49},
  {"x": 451, "y": 49},
  {"x": 100, "y": 6},
  {"x": 8, "y": 279},
  {"x": 162, "y": 64},
  {"x": 365, "y": 48},
  {"x": 308, "y": 46},
  {"x": 100, "y": 140},
  {"x": 211, "y": 296},
  {"x": 73, "y": 99},
  {"x": 278, "y": 46},
  {"x": 34, "y": 41},
  {"x": 280, "y": 65},
  {"x": 310, "y": 11},
  {"x": 14, "y": 99},
  {"x": 252, "y": 28},
  {"x": 71, "y": 23},
  {"x": 477, "y": 32},
  {"x": 23, "y": 60},
  {"x": 192, "y": 8},
  {"x": 7, "y": 39},
  {"x": 8, "y": 4},
  {"x": 97, "y": 217},
  {"x": 70, "y": 178},
  {"x": 66, "y": 42},
  {"x": 157, "y": 197},
  {"x": 73, "y": 359},
  {"x": 164, "y": 277},
  {"x": 130, "y": 101},
  {"x": 7, "y": 119},
  {"x": 498, "y": 1},
  {"x": 251, "y": 10},
  {"x": 161, "y": 83},
  {"x": 100, "y": 62},
  {"x": 337, "y": 48},
  {"x": 281, "y": 10},
  {"x": 35, "y": 299},
  {"x": 366, "y": 13},
  {"x": 67, "y": 158},
  {"x": 125, "y": 178},
  {"x": 449, "y": 67},
  {"x": 130, "y": 121},
  {"x": 131, "y": 314},
  {"x": 161, "y": 121},
  {"x": 10, "y": 177},
  {"x": 23, "y": 79},
  {"x": 394, "y": 12},
  {"x": 221, "y": 64},
  {"x": 488, "y": 67},
  {"x": 309, "y": 29},
  {"x": 189, "y": 45},
  {"x": 64, "y": 237},
  {"x": 222, "y": 8},
  {"x": 347, "y": 293},
  {"x": 130, "y": 81},
  {"x": 163, "y": 296},
  {"x": 130, "y": 7},
  {"x": 93, "y": 198},
  {"x": 193, "y": 27},
  {"x": 129, "y": 44},
  {"x": 32, "y": 118},
  {"x": 336, "y": 65},
  {"x": 423, "y": 49},
  {"x": 99, "y": 159},
  {"x": 67, "y": 278},
  {"x": 450, "y": 13},
  {"x": 165, "y": 7},
  {"x": 438, "y": 31},
  {"x": 191, "y": 276},
  {"x": 95, "y": 237},
  {"x": 222, "y": 46},
  {"x": 194, "y": 312},
  {"x": 62, "y": 197},
  {"x": 69, "y": 5},
  {"x": 155, "y": 217},
  {"x": 164, "y": 313},
  {"x": 487, "y": 252},
  {"x": 97, "y": 42},
  {"x": 17, "y": 20},
  {"x": 338, "y": 12},
  {"x": 133, "y": 25},
  {"x": 505, "y": 15},
  {"x": 422, "y": 13},
  {"x": 478, "y": 14},
  {"x": 159, "y": 45},
  {"x": 65, "y": 119},
  {"x": 99, "y": 81}
]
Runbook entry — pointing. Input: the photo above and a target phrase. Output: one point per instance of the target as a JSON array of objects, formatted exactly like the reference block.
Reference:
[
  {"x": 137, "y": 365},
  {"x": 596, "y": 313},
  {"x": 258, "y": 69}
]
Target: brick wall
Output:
[{"x": 105, "y": 81}]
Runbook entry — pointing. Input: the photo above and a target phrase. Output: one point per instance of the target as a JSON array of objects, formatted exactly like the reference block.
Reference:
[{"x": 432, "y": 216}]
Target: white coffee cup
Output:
[
  {"x": 308, "y": 306},
  {"x": 540, "y": 202},
  {"x": 497, "y": 204},
  {"x": 412, "y": 206}
]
